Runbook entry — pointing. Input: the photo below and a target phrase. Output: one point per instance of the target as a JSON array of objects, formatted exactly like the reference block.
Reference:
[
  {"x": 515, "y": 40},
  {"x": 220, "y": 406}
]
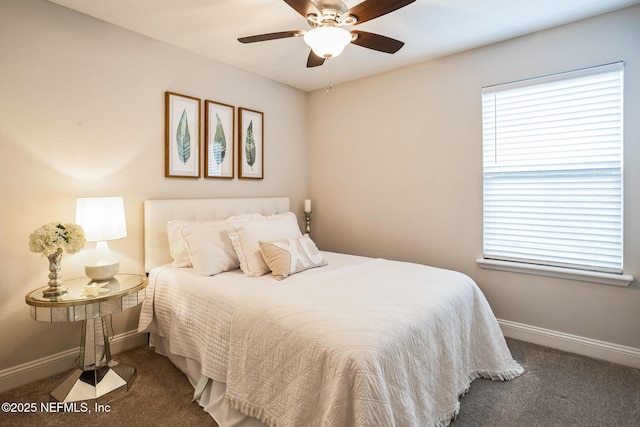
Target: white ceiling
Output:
[{"x": 429, "y": 28}]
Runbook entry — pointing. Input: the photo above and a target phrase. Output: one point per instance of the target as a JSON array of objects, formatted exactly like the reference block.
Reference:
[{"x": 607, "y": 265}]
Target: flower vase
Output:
[{"x": 55, "y": 288}]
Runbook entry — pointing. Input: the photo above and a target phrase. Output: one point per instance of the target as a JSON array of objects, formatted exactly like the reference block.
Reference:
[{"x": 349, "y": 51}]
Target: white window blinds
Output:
[{"x": 552, "y": 155}]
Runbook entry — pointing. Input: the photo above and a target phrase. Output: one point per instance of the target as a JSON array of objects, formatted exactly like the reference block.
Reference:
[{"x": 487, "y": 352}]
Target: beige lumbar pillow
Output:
[{"x": 290, "y": 256}]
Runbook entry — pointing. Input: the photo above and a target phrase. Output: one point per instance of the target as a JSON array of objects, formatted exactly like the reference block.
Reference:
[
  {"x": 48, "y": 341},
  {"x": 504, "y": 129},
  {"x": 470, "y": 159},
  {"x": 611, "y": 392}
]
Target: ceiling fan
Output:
[{"x": 327, "y": 37}]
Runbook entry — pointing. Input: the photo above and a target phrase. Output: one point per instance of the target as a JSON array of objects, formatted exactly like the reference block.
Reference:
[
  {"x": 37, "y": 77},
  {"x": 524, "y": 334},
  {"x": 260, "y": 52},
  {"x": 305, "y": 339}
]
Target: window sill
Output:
[{"x": 563, "y": 273}]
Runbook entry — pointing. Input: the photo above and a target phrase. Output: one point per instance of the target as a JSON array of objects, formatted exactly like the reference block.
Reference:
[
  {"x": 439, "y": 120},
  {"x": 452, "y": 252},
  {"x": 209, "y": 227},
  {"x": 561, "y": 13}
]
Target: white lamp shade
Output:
[
  {"x": 101, "y": 218},
  {"x": 327, "y": 42}
]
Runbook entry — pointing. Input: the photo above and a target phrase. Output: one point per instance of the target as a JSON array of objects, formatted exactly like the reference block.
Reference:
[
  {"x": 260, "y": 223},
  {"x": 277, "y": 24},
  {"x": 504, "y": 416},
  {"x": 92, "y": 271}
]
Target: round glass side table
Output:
[{"x": 96, "y": 376}]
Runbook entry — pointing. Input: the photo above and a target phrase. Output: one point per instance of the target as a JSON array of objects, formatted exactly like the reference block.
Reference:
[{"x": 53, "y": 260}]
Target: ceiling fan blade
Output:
[
  {"x": 314, "y": 60},
  {"x": 376, "y": 42},
  {"x": 270, "y": 36},
  {"x": 370, "y": 9},
  {"x": 303, "y": 7}
]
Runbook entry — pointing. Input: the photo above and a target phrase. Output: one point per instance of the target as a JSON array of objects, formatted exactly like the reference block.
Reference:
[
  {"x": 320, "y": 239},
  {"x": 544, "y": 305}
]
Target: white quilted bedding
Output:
[
  {"x": 361, "y": 342},
  {"x": 195, "y": 312}
]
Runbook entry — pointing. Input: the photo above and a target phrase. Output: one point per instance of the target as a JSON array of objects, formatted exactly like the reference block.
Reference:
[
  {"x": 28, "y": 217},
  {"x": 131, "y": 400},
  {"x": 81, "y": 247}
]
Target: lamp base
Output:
[{"x": 102, "y": 272}]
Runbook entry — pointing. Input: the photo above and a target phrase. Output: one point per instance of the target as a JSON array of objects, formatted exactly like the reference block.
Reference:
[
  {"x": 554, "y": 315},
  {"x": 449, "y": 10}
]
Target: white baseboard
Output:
[
  {"x": 35, "y": 370},
  {"x": 622, "y": 355}
]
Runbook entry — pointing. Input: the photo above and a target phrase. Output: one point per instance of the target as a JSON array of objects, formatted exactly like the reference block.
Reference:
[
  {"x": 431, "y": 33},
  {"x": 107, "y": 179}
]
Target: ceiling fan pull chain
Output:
[{"x": 329, "y": 69}]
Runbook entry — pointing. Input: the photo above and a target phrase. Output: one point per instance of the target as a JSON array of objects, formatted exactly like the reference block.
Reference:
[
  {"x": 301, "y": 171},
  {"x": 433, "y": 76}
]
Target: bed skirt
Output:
[{"x": 207, "y": 392}]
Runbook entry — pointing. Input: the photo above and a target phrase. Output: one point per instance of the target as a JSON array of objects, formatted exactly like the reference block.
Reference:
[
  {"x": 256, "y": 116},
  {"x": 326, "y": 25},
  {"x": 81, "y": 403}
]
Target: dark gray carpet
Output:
[
  {"x": 557, "y": 389},
  {"x": 160, "y": 396}
]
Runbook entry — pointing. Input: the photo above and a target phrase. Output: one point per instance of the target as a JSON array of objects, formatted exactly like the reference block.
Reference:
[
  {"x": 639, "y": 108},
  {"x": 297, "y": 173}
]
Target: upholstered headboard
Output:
[{"x": 158, "y": 212}]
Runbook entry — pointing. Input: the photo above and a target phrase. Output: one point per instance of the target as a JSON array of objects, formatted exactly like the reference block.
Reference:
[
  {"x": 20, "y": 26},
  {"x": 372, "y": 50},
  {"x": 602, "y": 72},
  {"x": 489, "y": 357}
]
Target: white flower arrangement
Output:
[{"x": 57, "y": 237}]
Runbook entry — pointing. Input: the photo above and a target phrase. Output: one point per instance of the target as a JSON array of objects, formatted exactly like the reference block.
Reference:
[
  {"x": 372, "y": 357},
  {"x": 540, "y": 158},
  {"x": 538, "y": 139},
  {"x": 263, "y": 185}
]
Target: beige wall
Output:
[
  {"x": 82, "y": 115},
  {"x": 396, "y": 171},
  {"x": 394, "y": 160}
]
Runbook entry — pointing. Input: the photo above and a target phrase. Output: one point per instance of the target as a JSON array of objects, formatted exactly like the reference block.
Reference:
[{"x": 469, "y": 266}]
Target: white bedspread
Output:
[
  {"x": 381, "y": 343},
  {"x": 361, "y": 342},
  {"x": 195, "y": 312}
]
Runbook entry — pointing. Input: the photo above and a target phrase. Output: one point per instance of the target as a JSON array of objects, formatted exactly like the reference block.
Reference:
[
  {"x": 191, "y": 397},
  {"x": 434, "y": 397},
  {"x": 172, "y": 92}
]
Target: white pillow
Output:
[
  {"x": 245, "y": 233},
  {"x": 209, "y": 247},
  {"x": 177, "y": 244},
  {"x": 290, "y": 256}
]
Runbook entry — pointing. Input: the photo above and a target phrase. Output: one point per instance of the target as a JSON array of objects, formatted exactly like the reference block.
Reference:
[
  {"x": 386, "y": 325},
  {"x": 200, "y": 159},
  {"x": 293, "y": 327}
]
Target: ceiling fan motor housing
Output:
[
  {"x": 335, "y": 5},
  {"x": 331, "y": 14}
]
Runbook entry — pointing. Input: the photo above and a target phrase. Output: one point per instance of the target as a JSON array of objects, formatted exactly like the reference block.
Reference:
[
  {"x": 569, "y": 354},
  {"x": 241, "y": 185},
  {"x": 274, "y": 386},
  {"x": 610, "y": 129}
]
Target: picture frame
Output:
[
  {"x": 219, "y": 140},
  {"x": 250, "y": 144},
  {"x": 182, "y": 136}
]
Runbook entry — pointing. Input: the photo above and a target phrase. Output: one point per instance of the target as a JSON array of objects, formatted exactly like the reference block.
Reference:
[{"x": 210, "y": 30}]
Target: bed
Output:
[{"x": 347, "y": 341}]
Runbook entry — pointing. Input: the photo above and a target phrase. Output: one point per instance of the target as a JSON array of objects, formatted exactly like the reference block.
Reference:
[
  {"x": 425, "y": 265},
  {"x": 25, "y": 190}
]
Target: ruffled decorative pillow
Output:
[
  {"x": 177, "y": 244},
  {"x": 245, "y": 233}
]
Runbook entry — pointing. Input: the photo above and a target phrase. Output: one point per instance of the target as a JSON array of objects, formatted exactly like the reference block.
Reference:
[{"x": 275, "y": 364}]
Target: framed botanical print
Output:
[
  {"x": 182, "y": 136},
  {"x": 219, "y": 127},
  {"x": 251, "y": 146}
]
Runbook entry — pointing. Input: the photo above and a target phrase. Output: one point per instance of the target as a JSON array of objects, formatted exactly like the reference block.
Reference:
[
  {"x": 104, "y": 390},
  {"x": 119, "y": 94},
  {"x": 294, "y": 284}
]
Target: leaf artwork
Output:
[
  {"x": 183, "y": 138},
  {"x": 219, "y": 142},
  {"x": 250, "y": 146}
]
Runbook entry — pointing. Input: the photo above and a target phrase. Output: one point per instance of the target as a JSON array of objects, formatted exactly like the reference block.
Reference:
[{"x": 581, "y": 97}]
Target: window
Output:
[{"x": 552, "y": 157}]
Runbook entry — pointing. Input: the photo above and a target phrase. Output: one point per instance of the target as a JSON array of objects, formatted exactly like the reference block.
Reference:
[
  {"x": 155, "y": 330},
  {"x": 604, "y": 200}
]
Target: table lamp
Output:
[{"x": 102, "y": 219}]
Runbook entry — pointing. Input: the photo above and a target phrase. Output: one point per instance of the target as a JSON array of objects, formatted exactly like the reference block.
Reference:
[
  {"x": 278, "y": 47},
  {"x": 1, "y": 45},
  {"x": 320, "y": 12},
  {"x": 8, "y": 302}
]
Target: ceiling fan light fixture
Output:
[{"x": 327, "y": 42}]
